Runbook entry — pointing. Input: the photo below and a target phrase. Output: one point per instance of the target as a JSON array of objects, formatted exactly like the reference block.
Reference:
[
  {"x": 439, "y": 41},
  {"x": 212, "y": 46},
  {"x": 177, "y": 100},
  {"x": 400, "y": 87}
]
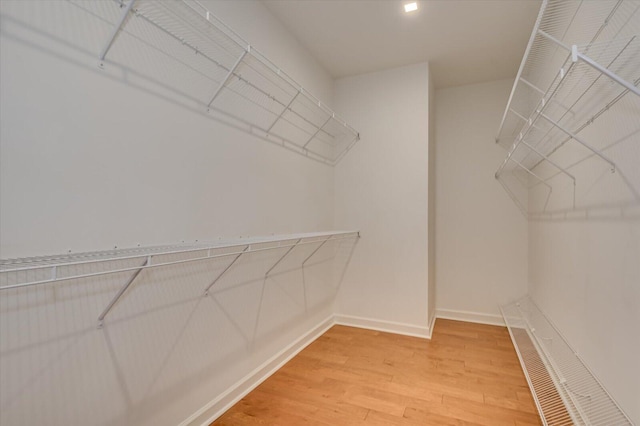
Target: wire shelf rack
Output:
[
  {"x": 129, "y": 263},
  {"x": 582, "y": 61},
  {"x": 564, "y": 389},
  {"x": 241, "y": 84}
]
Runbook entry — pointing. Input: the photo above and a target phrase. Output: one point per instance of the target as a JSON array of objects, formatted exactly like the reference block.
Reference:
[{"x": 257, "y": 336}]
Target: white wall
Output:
[
  {"x": 584, "y": 262},
  {"x": 126, "y": 161},
  {"x": 481, "y": 237},
  {"x": 381, "y": 187},
  {"x": 95, "y": 158}
]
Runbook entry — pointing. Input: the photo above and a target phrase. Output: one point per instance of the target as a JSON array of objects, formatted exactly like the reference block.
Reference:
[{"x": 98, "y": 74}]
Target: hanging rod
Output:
[
  {"x": 562, "y": 86},
  {"x": 576, "y": 55},
  {"x": 568, "y": 110},
  {"x": 54, "y": 268}
]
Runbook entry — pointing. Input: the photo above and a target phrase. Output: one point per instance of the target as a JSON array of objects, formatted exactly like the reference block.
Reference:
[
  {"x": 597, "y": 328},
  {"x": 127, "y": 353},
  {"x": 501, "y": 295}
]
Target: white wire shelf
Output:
[
  {"x": 582, "y": 61},
  {"x": 241, "y": 83},
  {"x": 563, "y": 387},
  {"x": 37, "y": 271}
]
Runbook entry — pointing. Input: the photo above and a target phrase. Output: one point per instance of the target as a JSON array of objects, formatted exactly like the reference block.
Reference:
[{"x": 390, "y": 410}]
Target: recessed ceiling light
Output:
[{"x": 410, "y": 7}]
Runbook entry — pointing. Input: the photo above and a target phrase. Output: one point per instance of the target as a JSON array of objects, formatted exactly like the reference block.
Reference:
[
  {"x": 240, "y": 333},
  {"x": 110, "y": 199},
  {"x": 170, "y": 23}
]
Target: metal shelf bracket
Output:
[
  {"x": 579, "y": 140},
  {"x": 115, "y": 31},
  {"x": 228, "y": 76},
  {"x": 233, "y": 262},
  {"x": 122, "y": 290},
  {"x": 282, "y": 258},
  {"x": 316, "y": 249}
]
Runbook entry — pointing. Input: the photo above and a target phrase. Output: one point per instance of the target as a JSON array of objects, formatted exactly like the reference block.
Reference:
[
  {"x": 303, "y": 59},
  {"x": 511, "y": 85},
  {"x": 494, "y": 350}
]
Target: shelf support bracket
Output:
[
  {"x": 282, "y": 258},
  {"x": 579, "y": 140},
  {"x": 233, "y": 262},
  {"x": 542, "y": 181},
  {"x": 228, "y": 76},
  {"x": 553, "y": 163},
  {"x": 316, "y": 250},
  {"x": 115, "y": 31},
  {"x": 124, "y": 288}
]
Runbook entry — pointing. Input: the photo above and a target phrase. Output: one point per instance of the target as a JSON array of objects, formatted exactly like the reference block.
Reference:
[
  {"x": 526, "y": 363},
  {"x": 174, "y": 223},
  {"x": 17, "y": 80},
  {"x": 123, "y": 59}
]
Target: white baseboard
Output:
[
  {"x": 432, "y": 323},
  {"x": 214, "y": 409},
  {"x": 470, "y": 316},
  {"x": 385, "y": 326}
]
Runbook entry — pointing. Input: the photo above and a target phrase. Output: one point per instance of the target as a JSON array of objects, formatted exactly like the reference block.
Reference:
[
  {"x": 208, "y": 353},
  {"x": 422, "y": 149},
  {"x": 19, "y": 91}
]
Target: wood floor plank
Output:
[{"x": 466, "y": 375}]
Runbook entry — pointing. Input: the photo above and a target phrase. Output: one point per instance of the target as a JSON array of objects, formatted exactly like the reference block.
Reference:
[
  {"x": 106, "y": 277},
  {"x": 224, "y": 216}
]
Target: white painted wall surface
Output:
[
  {"x": 95, "y": 158},
  {"x": 584, "y": 262},
  {"x": 481, "y": 237},
  {"x": 382, "y": 187}
]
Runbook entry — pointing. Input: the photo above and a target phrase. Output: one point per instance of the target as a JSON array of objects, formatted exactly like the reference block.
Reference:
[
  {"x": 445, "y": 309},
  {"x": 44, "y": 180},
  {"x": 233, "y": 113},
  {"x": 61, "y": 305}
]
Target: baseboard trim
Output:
[
  {"x": 214, "y": 409},
  {"x": 384, "y": 326},
  {"x": 470, "y": 317},
  {"x": 432, "y": 324}
]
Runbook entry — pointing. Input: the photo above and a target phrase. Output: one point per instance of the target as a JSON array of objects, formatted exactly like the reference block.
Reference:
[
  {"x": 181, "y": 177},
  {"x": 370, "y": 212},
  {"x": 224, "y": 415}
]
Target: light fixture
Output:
[{"x": 410, "y": 7}]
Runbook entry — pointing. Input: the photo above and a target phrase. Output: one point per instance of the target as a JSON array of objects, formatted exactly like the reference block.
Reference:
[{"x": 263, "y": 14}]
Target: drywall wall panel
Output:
[
  {"x": 584, "y": 251},
  {"x": 382, "y": 187},
  {"x": 94, "y": 158},
  {"x": 481, "y": 236}
]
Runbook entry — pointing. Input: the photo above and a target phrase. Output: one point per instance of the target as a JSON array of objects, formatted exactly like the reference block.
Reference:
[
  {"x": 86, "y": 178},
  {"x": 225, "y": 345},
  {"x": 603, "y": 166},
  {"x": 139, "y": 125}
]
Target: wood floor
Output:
[{"x": 467, "y": 374}]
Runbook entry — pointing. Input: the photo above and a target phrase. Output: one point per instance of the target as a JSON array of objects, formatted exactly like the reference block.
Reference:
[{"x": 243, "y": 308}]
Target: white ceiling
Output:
[{"x": 465, "y": 41}]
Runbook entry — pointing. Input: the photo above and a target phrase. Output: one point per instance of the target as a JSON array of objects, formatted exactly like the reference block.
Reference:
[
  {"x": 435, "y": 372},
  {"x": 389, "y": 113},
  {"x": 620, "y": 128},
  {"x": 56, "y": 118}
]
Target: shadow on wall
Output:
[
  {"x": 165, "y": 342},
  {"x": 157, "y": 54}
]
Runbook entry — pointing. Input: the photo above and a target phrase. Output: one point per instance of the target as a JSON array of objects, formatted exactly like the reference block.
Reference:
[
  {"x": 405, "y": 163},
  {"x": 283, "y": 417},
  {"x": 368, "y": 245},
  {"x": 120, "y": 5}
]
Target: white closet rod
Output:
[{"x": 576, "y": 55}]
